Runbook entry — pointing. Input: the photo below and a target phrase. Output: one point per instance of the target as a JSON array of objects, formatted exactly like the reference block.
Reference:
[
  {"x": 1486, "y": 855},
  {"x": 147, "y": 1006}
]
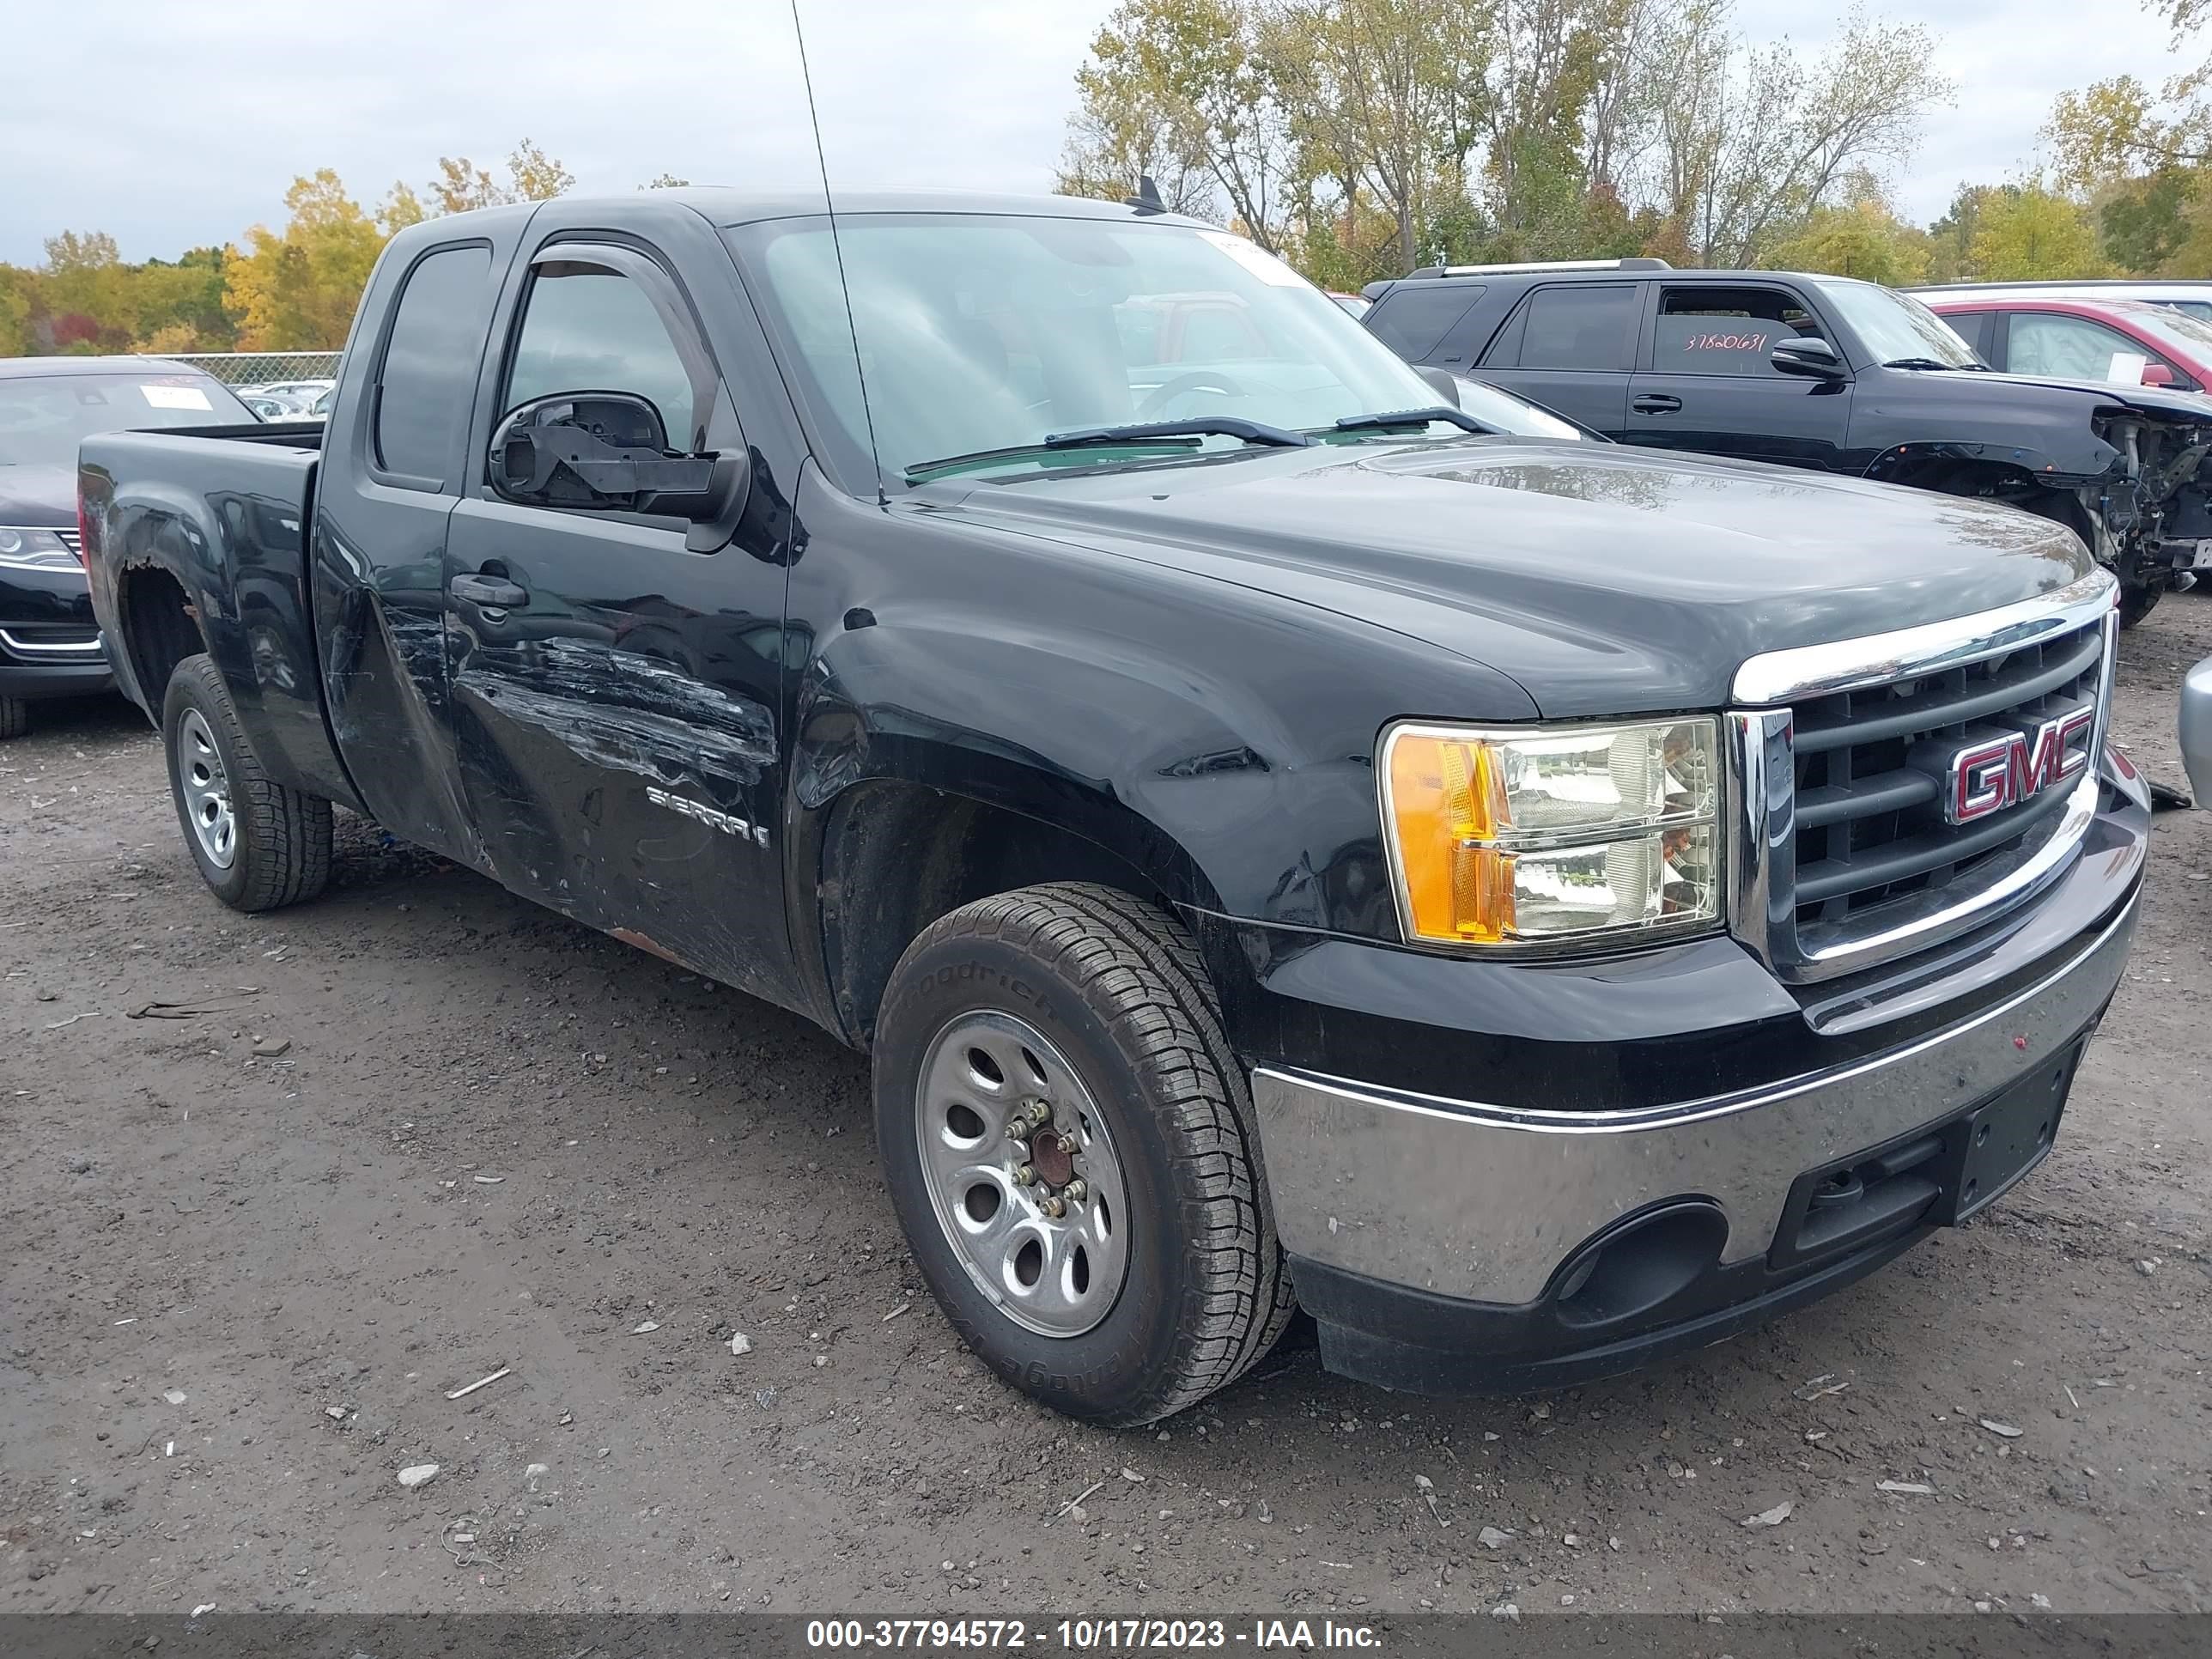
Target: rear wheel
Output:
[
  {"x": 1067, "y": 1140},
  {"x": 258, "y": 845},
  {"x": 14, "y": 717},
  {"x": 2138, "y": 598}
]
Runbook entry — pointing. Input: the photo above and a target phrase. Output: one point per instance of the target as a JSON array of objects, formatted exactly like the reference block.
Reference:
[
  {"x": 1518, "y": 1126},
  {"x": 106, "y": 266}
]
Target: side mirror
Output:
[
  {"x": 603, "y": 451},
  {"x": 1808, "y": 355},
  {"x": 2157, "y": 374},
  {"x": 1442, "y": 382}
]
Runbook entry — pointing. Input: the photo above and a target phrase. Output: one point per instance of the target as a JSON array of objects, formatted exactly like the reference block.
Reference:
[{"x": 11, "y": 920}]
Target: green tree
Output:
[
  {"x": 461, "y": 185},
  {"x": 1381, "y": 96},
  {"x": 2027, "y": 231},
  {"x": 1188, "y": 76},
  {"x": 296, "y": 290},
  {"x": 1862, "y": 239},
  {"x": 16, "y": 291},
  {"x": 2145, "y": 223}
]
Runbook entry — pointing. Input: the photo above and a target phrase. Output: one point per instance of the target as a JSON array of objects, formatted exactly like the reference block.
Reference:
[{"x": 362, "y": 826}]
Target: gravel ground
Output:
[{"x": 242, "y": 1286}]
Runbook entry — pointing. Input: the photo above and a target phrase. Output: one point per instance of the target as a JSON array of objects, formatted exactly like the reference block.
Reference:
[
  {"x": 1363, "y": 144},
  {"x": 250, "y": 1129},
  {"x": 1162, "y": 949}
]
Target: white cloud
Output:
[{"x": 172, "y": 125}]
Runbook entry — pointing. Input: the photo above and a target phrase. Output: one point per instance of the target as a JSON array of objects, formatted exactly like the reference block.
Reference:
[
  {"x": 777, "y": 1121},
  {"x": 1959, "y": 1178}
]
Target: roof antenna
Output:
[
  {"x": 852, "y": 328},
  {"x": 1147, "y": 198}
]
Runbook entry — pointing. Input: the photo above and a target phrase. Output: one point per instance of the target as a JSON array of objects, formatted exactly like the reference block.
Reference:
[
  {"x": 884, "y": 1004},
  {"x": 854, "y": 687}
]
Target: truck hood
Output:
[
  {"x": 1604, "y": 580},
  {"x": 33, "y": 498}
]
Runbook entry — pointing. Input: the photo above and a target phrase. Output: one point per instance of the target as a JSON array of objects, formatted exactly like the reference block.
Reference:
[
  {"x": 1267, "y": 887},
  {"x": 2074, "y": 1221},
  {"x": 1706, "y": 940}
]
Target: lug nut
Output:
[
  {"x": 1026, "y": 1175},
  {"x": 1038, "y": 1113},
  {"x": 1053, "y": 1207},
  {"x": 1018, "y": 1129},
  {"x": 1076, "y": 1190}
]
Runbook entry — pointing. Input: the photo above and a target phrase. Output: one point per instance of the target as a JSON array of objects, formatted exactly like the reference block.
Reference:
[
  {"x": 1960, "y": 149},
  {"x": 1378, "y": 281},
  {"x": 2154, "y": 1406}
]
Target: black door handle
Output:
[
  {"x": 493, "y": 591},
  {"x": 1655, "y": 403}
]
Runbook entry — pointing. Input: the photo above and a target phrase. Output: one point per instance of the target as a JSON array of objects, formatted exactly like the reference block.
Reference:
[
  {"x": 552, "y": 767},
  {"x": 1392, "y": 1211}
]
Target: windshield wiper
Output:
[
  {"x": 1931, "y": 362},
  {"x": 1198, "y": 426},
  {"x": 919, "y": 471},
  {"x": 1148, "y": 434},
  {"x": 1458, "y": 417}
]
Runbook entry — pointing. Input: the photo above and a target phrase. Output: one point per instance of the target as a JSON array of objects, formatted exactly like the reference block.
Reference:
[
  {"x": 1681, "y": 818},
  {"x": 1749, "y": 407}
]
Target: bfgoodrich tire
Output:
[
  {"x": 258, "y": 845},
  {"x": 1159, "y": 1279}
]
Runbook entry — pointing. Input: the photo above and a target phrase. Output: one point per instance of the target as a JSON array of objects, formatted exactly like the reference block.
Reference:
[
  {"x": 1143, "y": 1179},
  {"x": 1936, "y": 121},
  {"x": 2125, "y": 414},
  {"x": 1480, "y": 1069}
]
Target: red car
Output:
[{"x": 2126, "y": 341}]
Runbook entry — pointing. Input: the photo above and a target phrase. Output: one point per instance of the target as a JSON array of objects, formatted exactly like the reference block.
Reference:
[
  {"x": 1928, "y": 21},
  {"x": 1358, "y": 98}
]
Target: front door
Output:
[
  {"x": 1711, "y": 386},
  {"x": 616, "y": 693}
]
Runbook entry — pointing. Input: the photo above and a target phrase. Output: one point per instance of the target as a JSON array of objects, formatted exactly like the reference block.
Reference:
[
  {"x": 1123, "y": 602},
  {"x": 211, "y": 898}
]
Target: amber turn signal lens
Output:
[
  {"x": 1544, "y": 834},
  {"x": 1446, "y": 796}
]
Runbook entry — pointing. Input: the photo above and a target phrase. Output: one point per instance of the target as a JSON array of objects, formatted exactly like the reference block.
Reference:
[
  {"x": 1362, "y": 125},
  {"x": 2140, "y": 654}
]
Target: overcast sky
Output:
[{"x": 174, "y": 124}]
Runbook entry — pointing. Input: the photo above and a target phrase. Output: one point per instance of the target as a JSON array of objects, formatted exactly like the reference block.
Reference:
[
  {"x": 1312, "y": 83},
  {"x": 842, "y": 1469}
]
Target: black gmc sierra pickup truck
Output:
[
  {"x": 1828, "y": 373},
  {"x": 1534, "y": 903}
]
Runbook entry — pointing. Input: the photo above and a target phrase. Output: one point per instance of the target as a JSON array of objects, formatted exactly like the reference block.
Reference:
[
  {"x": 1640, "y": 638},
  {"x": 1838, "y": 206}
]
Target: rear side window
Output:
[
  {"x": 1725, "y": 331},
  {"x": 1974, "y": 327},
  {"x": 1415, "y": 321},
  {"x": 429, "y": 368},
  {"x": 1573, "y": 325}
]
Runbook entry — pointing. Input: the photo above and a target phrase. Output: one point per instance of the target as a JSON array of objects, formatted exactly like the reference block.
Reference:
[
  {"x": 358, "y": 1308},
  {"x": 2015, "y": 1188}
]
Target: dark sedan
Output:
[{"x": 50, "y": 646}]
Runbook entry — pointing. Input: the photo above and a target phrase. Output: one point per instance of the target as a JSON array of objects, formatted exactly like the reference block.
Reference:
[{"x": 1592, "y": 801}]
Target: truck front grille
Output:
[
  {"x": 1873, "y": 768},
  {"x": 1921, "y": 788}
]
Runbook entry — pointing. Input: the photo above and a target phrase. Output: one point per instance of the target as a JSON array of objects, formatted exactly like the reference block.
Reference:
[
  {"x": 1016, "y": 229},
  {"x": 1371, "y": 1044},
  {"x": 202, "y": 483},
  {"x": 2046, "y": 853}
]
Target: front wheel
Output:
[
  {"x": 258, "y": 845},
  {"x": 1068, "y": 1141},
  {"x": 14, "y": 717},
  {"x": 2139, "y": 597}
]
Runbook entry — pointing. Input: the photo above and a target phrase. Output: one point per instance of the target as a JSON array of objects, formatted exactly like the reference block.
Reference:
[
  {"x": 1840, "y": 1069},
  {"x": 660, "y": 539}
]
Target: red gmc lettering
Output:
[{"x": 2006, "y": 771}]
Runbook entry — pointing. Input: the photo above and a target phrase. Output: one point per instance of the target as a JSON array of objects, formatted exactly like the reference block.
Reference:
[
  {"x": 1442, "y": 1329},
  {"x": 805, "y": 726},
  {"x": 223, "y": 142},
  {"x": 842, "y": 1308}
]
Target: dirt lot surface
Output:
[{"x": 240, "y": 1287}]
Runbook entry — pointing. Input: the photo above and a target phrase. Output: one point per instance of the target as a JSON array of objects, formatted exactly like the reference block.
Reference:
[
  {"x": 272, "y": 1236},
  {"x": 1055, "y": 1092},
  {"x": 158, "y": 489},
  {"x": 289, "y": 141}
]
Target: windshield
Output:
[
  {"x": 2187, "y": 337},
  {"x": 43, "y": 418},
  {"x": 1893, "y": 326},
  {"x": 989, "y": 332}
]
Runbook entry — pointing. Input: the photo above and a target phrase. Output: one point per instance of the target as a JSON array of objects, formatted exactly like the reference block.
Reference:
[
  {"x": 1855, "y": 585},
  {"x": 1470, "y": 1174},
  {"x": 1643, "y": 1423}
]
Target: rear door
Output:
[
  {"x": 617, "y": 695},
  {"x": 1568, "y": 346},
  {"x": 1707, "y": 383},
  {"x": 392, "y": 469}
]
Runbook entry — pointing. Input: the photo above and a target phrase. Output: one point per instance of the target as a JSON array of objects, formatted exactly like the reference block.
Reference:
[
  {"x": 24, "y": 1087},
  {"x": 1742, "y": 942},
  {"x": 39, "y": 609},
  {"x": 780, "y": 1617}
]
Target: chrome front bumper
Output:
[{"x": 1461, "y": 1199}]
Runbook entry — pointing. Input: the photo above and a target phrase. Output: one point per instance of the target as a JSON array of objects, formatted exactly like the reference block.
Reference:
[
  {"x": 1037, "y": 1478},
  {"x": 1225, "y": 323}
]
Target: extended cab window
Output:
[
  {"x": 1724, "y": 331},
  {"x": 1415, "y": 320},
  {"x": 422, "y": 389},
  {"x": 1571, "y": 325},
  {"x": 585, "y": 328}
]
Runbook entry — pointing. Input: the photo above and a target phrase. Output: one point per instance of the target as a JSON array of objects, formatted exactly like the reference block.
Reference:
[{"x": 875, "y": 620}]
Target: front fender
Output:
[
  {"x": 1218, "y": 737},
  {"x": 2058, "y": 463}
]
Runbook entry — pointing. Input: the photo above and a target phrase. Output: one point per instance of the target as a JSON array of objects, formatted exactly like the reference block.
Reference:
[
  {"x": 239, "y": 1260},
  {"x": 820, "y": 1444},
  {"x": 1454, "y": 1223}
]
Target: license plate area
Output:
[
  {"x": 2002, "y": 1138},
  {"x": 1938, "y": 1176}
]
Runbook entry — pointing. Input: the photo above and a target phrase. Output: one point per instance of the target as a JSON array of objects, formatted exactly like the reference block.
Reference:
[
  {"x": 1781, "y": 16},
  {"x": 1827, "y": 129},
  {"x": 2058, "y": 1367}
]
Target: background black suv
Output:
[{"x": 1828, "y": 373}]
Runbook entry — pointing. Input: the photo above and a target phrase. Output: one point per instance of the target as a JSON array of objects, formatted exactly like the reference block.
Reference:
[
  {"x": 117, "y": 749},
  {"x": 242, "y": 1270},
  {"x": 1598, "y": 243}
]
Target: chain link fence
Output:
[{"x": 240, "y": 368}]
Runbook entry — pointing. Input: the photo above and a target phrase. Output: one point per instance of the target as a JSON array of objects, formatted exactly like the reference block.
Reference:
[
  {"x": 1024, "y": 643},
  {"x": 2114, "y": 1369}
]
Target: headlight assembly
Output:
[
  {"x": 35, "y": 550},
  {"x": 1554, "y": 834}
]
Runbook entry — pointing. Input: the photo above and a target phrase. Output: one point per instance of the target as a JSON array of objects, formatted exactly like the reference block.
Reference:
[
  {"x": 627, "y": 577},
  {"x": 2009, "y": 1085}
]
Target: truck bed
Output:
[{"x": 223, "y": 512}]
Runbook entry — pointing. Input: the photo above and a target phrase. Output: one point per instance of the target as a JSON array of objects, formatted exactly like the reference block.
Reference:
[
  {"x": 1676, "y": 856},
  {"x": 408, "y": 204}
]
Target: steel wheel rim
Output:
[
  {"x": 1058, "y": 1276},
  {"x": 205, "y": 783}
]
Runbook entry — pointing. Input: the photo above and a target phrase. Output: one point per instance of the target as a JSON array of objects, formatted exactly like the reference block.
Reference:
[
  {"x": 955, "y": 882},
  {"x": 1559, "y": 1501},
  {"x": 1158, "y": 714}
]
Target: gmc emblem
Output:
[{"x": 1987, "y": 777}]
